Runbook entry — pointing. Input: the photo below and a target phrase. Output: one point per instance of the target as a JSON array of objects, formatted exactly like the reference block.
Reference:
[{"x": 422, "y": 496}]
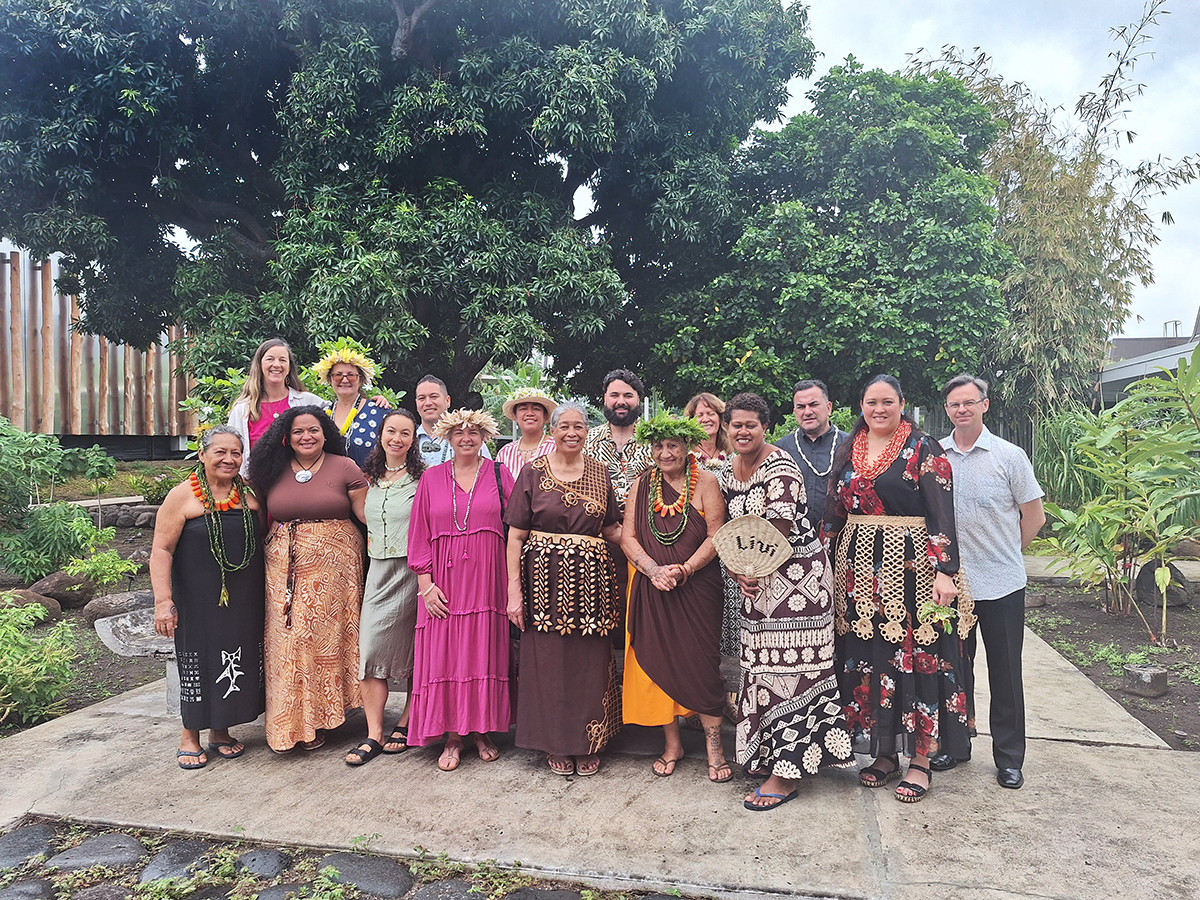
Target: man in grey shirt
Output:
[
  {"x": 813, "y": 444},
  {"x": 998, "y": 511}
]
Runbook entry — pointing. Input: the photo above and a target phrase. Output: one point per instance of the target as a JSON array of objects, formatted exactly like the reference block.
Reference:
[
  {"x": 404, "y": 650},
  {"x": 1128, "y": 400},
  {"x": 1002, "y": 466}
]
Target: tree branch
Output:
[{"x": 406, "y": 24}]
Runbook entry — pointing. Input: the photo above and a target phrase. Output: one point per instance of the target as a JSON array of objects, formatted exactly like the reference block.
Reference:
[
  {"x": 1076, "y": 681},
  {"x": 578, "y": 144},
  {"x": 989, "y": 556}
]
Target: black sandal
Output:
[
  {"x": 880, "y": 778},
  {"x": 918, "y": 792},
  {"x": 399, "y": 735},
  {"x": 374, "y": 748}
]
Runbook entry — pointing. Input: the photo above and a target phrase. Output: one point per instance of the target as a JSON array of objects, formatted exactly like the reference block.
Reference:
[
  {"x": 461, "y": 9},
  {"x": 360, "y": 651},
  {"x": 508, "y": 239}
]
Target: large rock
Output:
[
  {"x": 264, "y": 863},
  {"x": 27, "y": 598},
  {"x": 112, "y": 850},
  {"x": 132, "y": 634},
  {"x": 69, "y": 591},
  {"x": 1187, "y": 548},
  {"x": 115, "y": 604},
  {"x": 126, "y": 520},
  {"x": 451, "y": 889},
  {"x": 1179, "y": 591},
  {"x": 103, "y": 891},
  {"x": 144, "y": 520},
  {"x": 179, "y": 859},
  {"x": 370, "y": 874},
  {"x": 32, "y": 889},
  {"x": 23, "y": 844}
]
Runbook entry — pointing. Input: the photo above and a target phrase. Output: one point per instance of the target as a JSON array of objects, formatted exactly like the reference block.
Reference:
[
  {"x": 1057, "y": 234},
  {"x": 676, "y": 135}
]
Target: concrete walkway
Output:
[{"x": 1107, "y": 810}]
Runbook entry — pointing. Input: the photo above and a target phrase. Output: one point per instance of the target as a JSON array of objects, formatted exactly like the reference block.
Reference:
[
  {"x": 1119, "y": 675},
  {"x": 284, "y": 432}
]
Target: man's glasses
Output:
[{"x": 965, "y": 404}]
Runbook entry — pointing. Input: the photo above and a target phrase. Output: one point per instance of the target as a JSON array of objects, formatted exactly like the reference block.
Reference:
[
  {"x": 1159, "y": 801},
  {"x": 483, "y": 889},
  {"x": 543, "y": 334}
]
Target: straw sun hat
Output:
[{"x": 528, "y": 395}]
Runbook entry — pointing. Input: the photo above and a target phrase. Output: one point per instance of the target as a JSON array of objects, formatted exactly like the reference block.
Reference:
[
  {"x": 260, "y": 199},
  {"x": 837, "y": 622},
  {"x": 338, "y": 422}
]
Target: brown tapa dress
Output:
[
  {"x": 674, "y": 636},
  {"x": 568, "y": 694}
]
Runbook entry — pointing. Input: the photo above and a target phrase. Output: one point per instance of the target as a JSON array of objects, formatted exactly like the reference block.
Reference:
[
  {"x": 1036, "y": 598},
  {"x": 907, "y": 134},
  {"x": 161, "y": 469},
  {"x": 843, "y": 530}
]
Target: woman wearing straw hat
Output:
[
  {"x": 530, "y": 409},
  {"x": 349, "y": 371},
  {"x": 673, "y": 632},
  {"x": 790, "y": 720},
  {"x": 456, "y": 547}
]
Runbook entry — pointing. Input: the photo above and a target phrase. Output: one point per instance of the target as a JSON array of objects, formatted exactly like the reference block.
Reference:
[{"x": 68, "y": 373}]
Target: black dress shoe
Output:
[
  {"x": 943, "y": 762},
  {"x": 1010, "y": 778}
]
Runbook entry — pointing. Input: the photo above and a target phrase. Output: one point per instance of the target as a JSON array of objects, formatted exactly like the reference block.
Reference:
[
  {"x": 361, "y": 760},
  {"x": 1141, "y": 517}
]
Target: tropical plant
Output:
[
  {"x": 34, "y": 672},
  {"x": 1143, "y": 454},
  {"x": 50, "y": 536}
]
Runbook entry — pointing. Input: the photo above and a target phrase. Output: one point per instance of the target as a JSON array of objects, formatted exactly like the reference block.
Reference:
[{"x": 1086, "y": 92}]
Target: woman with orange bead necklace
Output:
[
  {"x": 206, "y": 568},
  {"x": 673, "y": 631}
]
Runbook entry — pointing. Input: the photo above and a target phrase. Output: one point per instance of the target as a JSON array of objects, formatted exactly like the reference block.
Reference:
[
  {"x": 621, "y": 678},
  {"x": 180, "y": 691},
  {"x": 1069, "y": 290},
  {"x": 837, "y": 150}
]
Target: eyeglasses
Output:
[
  {"x": 344, "y": 376},
  {"x": 965, "y": 404}
]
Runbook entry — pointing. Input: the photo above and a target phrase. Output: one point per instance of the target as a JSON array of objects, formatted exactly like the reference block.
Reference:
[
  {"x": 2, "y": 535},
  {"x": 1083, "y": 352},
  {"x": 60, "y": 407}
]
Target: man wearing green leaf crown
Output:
[{"x": 998, "y": 508}]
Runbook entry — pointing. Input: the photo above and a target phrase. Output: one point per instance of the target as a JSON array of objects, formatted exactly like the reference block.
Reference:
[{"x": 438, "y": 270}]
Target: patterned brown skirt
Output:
[{"x": 314, "y": 591}]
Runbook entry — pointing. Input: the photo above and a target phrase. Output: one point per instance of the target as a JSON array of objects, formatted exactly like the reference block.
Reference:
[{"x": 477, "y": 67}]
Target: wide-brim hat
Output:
[
  {"x": 751, "y": 546},
  {"x": 528, "y": 395}
]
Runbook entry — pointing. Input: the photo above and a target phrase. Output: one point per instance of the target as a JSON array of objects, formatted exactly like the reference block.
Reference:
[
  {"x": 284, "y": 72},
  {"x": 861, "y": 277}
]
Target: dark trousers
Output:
[{"x": 1002, "y": 623}]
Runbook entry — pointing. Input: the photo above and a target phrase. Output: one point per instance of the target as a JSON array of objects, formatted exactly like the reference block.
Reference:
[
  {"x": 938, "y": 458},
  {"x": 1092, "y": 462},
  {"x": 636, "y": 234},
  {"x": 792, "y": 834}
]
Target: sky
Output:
[{"x": 1059, "y": 48}]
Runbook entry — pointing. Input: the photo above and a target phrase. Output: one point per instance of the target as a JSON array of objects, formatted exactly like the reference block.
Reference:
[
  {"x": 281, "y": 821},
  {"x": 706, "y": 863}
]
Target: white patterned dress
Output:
[{"x": 790, "y": 719}]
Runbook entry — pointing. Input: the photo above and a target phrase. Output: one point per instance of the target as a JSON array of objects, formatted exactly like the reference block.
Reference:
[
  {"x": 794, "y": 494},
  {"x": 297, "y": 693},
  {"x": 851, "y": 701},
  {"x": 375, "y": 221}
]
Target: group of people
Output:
[{"x": 572, "y": 585}]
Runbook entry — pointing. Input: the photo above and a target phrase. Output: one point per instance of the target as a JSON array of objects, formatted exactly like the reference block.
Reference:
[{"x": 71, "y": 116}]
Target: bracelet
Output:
[{"x": 426, "y": 591}]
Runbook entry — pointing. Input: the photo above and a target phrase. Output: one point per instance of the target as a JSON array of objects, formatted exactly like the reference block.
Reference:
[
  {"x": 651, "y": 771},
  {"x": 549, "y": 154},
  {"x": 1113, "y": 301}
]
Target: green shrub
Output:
[
  {"x": 34, "y": 671},
  {"x": 154, "y": 489},
  {"x": 52, "y": 535}
]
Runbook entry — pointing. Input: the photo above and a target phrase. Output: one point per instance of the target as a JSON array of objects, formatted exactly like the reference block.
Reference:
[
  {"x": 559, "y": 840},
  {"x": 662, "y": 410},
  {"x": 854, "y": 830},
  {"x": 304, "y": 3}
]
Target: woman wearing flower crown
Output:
[
  {"x": 790, "y": 719},
  {"x": 206, "y": 567},
  {"x": 456, "y": 547},
  {"x": 347, "y": 369},
  {"x": 530, "y": 409},
  {"x": 673, "y": 631},
  {"x": 890, "y": 520}
]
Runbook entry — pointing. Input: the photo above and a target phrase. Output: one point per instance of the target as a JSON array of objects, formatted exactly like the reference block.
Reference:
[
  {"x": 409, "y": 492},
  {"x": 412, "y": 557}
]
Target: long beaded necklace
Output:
[
  {"x": 216, "y": 534},
  {"x": 682, "y": 504},
  {"x": 470, "y": 497},
  {"x": 807, "y": 462},
  {"x": 872, "y": 470}
]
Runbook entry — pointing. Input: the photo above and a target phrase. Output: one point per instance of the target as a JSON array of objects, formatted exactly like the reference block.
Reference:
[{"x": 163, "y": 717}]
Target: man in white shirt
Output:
[
  {"x": 998, "y": 511},
  {"x": 432, "y": 398}
]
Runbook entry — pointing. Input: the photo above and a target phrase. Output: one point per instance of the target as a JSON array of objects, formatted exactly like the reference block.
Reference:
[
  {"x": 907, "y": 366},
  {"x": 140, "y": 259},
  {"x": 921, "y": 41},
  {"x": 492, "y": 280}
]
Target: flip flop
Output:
[
  {"x": 664, "y": 762},
  {"x": 196, "y": 754},
  {"x": 563, "y": 770},
  {"x": 714, "y": 770},
  {"x": 759, "y": 792},
  {"x": 591, "y": 770},
  {"x": 451, "y": 761},
  {"x": 399, "y": 735},
  {"x": 374, "y": 748},
  {"x": 215, "y": 747}
]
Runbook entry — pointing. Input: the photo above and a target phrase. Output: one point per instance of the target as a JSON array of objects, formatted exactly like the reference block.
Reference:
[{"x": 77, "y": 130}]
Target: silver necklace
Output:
[
  {"x": 803, "y": 456},
  {"x": 304, "y": 476},
  {"x": 470, "y": 497}
]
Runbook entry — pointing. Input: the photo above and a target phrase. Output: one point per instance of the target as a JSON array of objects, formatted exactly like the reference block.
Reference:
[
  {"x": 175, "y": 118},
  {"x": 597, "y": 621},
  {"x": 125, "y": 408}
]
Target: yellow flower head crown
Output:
[{"x": 349, "y": 351}]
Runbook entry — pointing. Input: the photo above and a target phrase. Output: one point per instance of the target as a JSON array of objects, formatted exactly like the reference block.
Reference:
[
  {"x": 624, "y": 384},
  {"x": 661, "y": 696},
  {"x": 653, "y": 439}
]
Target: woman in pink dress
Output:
[
  {"x": 272, "y": 387},
  {"x": 456, "y": 547}
]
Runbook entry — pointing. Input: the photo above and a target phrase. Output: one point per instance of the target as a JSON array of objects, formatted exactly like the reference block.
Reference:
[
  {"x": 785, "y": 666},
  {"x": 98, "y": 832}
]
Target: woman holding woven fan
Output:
[
  {"x": 206, "y": 568},
  {"x": 673, "y": 631},
  {"x": 891, "y": 521},
  {"x": 790, "y": 720}
]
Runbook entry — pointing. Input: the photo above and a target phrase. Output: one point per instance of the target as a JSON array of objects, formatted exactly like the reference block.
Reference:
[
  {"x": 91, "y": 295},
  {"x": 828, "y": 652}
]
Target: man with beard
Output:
[{"x": 612, "y": 443}]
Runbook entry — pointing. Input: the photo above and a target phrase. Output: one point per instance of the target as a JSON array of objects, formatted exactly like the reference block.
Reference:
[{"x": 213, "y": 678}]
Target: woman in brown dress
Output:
[
  {"x": 672, "y": 654},
  {"x": 562, "y": 594},
  {"x": 314, "y": 576}
]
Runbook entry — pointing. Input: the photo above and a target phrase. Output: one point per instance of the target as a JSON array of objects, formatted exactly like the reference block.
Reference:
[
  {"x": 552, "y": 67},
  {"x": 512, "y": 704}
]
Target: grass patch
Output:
[{"x": 79, "y": 488}]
